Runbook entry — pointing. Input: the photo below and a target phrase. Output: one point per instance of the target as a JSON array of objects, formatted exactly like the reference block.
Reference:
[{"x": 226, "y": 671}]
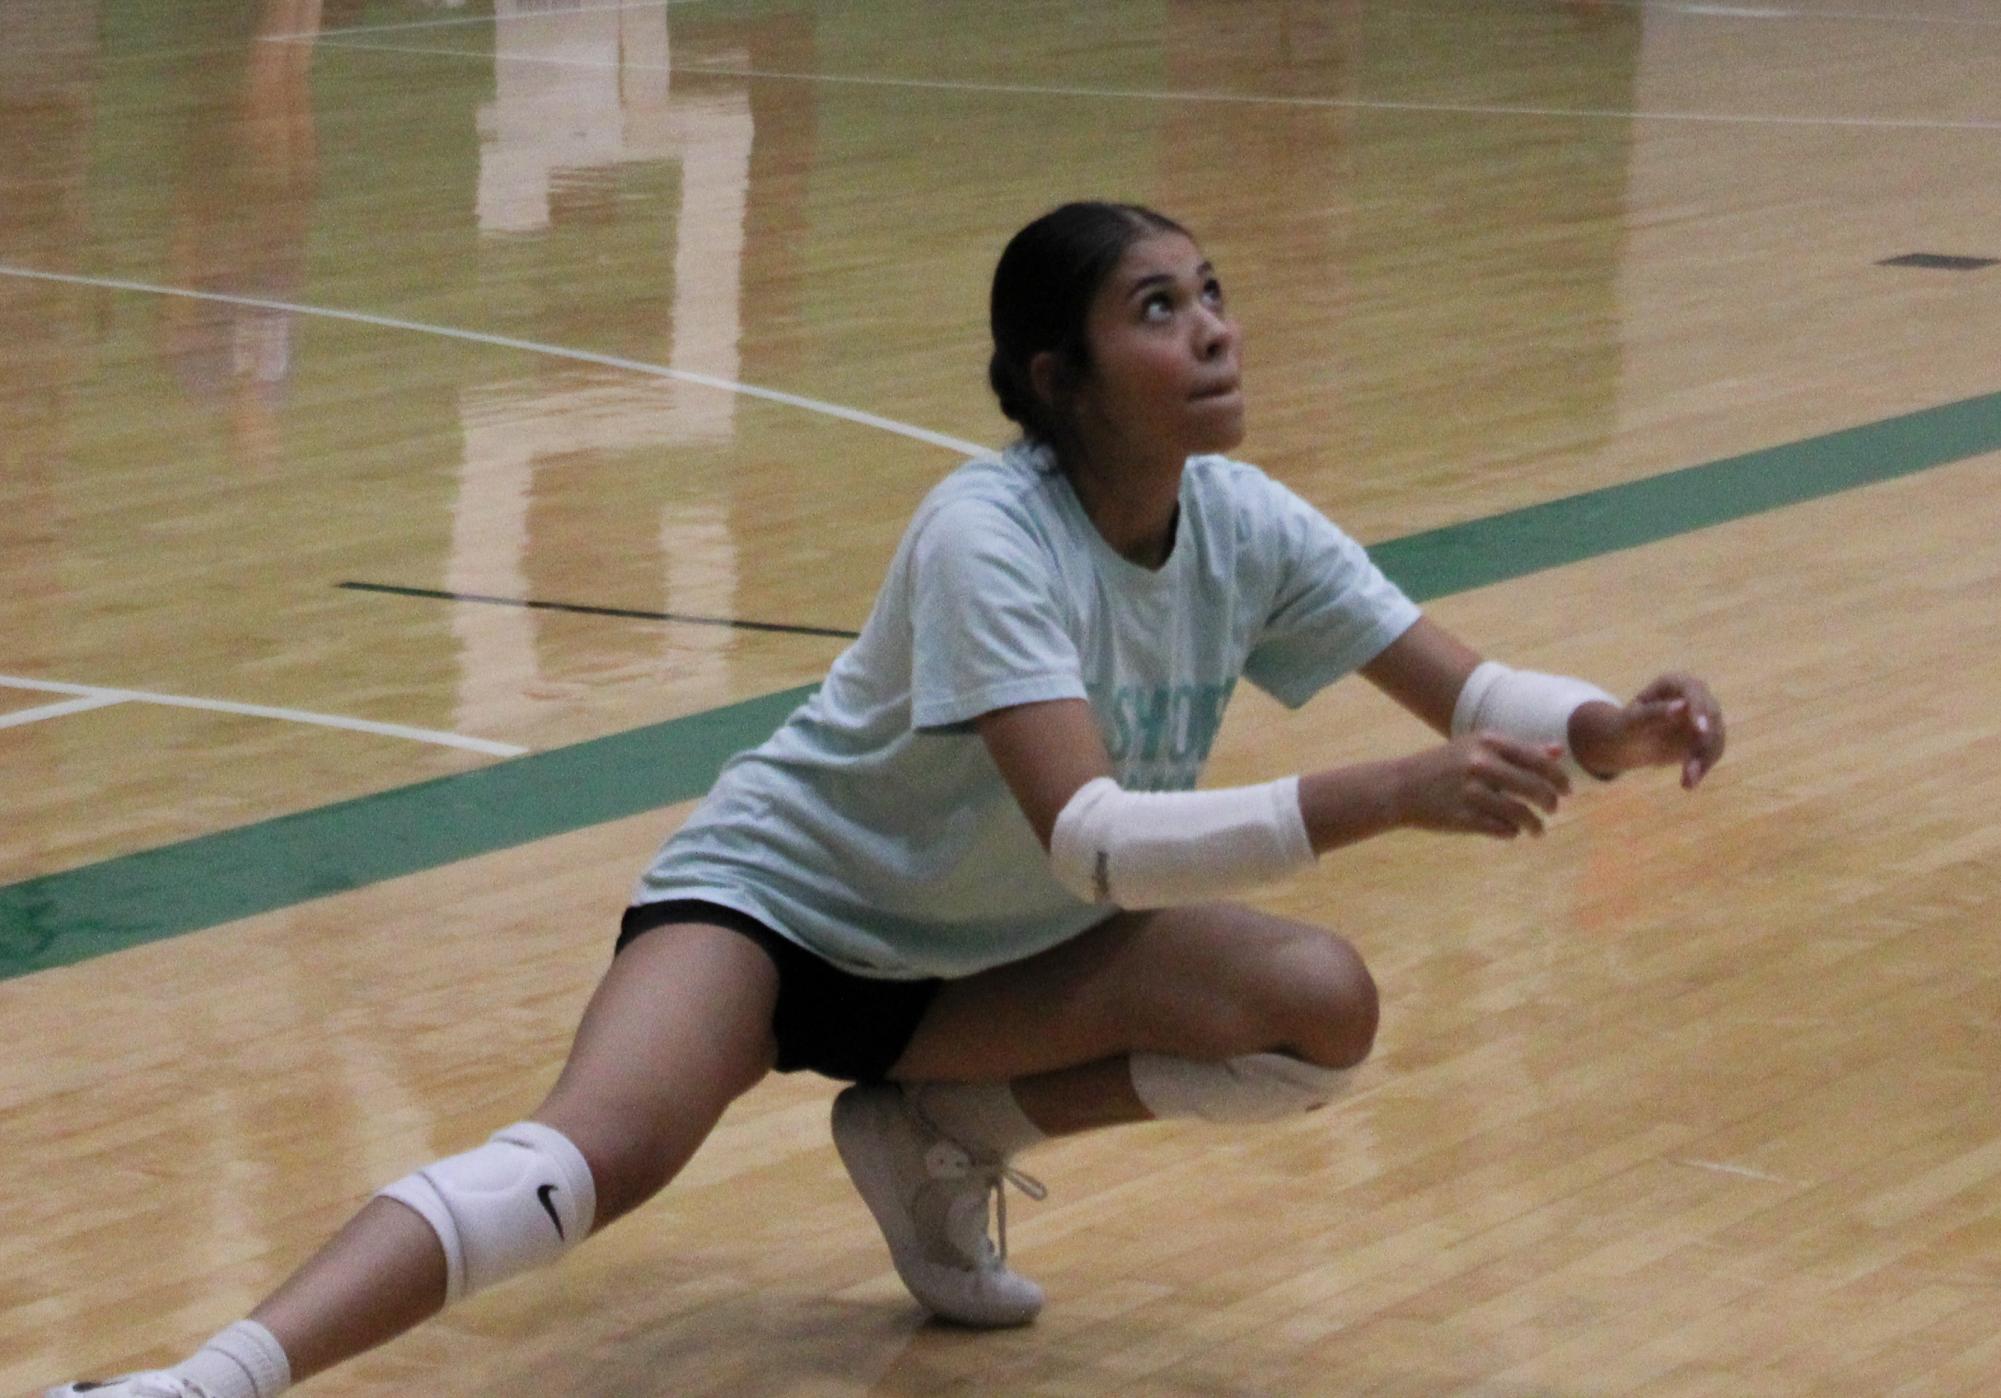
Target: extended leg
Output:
[{"x": 679, "y": 1027}]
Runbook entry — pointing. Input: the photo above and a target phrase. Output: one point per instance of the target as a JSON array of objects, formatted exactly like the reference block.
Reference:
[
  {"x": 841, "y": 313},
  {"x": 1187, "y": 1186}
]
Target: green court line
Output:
[
  {"x": 184, "y": 887},
  {"x": 1461, "y": 557},
  {"x": 70, "y": 916}
]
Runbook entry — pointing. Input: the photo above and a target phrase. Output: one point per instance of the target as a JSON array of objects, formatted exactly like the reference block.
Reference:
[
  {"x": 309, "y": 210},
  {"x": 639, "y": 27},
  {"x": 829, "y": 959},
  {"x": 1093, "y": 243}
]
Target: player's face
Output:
[{"x": 1164, "y": 372}]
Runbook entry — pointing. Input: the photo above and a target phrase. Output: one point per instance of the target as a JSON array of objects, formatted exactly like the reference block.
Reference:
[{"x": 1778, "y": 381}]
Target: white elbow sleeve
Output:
[
  {"x": 1523, "y": 704},
  {"x": 1156, "y": 849}
]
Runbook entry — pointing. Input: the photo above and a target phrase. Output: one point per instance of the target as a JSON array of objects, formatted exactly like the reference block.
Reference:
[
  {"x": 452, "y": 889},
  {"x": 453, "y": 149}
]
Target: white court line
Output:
[
  {"x": 1248, "y": 99},
  {"x": 104, "y": 695},
  {"x": 1721, "y": 11},
  {"x": 1686, "y": 7},
  {"x": 473, "y": 19},
  {"x": 478, "y": 337},
  {"x": 1714, "y": 9},
  {"x": 1742, "y": 1170},
  {"x": 1727, "y": 11},
  {"x": 1367, "y": 104},
  {"x": 46, "y": 711}
]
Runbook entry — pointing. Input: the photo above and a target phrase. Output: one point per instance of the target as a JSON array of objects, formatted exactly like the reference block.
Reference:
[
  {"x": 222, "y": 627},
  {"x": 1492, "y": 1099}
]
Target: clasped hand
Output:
[
  {"x": 1489, "y": 784},
  {"x": 1675, "y": 721}
]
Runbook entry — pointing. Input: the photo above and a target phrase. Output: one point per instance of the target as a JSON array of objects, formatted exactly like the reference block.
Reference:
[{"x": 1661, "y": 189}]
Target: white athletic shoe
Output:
[
  {"x": 157, "y": 1383},
  {"x": 930, "y": 1196}
]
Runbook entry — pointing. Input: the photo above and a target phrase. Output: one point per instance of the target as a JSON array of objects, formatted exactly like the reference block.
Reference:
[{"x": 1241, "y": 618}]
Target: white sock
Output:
[
  {"x": 1253, "y": 1087},
  {"x": 244, "y": 1361},
  {"x": 981, "y": 1116}
]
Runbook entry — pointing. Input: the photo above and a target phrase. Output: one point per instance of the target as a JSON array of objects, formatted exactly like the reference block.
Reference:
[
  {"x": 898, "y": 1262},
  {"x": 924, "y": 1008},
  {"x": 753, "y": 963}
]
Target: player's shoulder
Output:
[
  {"x": 1268, "y": 517},
  {"x": 1222, "y": 486},
  {"x": 1225, "y": 475},
  {"x": 1008, "y": 488}
]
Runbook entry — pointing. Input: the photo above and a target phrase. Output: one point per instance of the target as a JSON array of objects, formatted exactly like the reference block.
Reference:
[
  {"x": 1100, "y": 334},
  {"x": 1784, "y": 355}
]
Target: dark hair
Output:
[{"x": 1043, "y": 288}]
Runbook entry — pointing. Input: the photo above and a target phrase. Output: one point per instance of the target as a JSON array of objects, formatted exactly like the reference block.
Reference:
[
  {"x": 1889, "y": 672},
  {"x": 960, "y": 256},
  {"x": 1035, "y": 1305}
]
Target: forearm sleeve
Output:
[
  {"x": 1158, "y": 849},
  {"x": 1523, "y": 704}
]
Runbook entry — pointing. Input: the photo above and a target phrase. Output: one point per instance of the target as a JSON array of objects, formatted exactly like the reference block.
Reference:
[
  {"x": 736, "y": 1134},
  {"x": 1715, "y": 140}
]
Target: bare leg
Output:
[
  {"x": 1085, "y": 1098},
  {"x": 379, "y": 1276},
  {"x": 679, "y": 1028},
  {"x": 1237, "y": 1013},
  {"x": 1208, "y": 982}
]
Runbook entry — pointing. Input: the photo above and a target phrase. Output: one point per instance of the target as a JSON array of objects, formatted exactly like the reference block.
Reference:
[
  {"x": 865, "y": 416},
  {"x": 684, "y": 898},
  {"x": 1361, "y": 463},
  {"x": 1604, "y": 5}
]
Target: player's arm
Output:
[
  {"x": 1425, "y": 670},
  {"x": 1158, "y": 849},
  {"x": 1048, "y": 753},
  {"x": 1045, "y": 753},
  {"x": 1445, "y": 683}
]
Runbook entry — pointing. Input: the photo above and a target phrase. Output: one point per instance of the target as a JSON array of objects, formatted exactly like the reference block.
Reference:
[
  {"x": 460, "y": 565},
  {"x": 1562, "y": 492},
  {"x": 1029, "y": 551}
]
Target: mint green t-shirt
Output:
[{"x": 874, "y": 829}]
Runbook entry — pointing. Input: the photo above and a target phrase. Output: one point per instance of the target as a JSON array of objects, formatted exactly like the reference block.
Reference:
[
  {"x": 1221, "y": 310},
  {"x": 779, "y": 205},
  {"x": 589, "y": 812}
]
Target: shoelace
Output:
[
  {"x": 948, "y": 1160},
  {"x": 994, "y": 1179}
]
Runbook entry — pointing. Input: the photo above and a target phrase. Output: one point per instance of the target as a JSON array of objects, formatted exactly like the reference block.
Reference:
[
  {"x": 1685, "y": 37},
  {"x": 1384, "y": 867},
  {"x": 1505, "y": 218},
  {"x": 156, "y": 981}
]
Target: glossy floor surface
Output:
[{"x": 334, "y": 335}]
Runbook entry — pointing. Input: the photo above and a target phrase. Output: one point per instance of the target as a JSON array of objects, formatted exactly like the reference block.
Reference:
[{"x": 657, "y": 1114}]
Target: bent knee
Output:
[
  {"x": 1336, "y": 1004},
  {"x": 629, "y": 1162}
]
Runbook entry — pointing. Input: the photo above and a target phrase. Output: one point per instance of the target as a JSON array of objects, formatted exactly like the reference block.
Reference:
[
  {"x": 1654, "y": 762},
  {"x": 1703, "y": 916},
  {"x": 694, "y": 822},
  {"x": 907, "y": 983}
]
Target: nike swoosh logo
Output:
[{"x": 543, "y": 1194}]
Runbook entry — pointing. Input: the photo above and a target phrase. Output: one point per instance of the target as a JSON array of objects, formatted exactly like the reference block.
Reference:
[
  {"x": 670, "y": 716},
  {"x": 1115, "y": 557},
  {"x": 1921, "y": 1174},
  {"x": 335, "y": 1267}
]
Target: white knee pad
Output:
[
  {"x": 522, "y": 1200},
  {"x": 1255, "y": 1087}
]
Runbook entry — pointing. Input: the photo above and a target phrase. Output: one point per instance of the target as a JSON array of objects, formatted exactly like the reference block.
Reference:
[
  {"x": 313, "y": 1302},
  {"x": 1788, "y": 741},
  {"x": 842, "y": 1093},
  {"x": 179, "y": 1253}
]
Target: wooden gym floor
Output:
[{"x": 333, "y": 333}]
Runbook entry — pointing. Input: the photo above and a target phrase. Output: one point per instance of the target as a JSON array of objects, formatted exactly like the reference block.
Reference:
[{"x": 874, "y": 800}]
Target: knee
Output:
[
  {"x": 628, "y": 1162},
  {"x": 636, "y": 1139},
  {"x": 635, "y": 1165},
  {"x": 521, "y": 1200},
  {"x": 1335, "y": 1009}
]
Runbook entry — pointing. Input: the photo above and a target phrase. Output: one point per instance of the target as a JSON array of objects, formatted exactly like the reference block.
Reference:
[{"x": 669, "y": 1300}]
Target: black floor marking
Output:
[
  {"x": 1940, "y": 261},
  {"x": 597, "y": 611}
]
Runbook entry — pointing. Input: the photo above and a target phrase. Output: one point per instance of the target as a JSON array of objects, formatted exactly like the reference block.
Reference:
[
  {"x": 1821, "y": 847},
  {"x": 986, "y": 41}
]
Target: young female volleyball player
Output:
[{"x": 972, "y": 874}]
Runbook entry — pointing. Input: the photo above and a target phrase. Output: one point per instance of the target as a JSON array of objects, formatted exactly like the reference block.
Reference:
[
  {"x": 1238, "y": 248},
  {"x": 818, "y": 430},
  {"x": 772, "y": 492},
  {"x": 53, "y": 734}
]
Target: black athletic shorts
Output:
[{"x": 831, "y": 1021}]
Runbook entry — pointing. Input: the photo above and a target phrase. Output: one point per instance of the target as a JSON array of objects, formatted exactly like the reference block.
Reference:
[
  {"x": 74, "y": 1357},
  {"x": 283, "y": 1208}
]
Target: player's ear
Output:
[
  {"x": 1055, "y": 379},
  {"x": 1046, "y": 377}
]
